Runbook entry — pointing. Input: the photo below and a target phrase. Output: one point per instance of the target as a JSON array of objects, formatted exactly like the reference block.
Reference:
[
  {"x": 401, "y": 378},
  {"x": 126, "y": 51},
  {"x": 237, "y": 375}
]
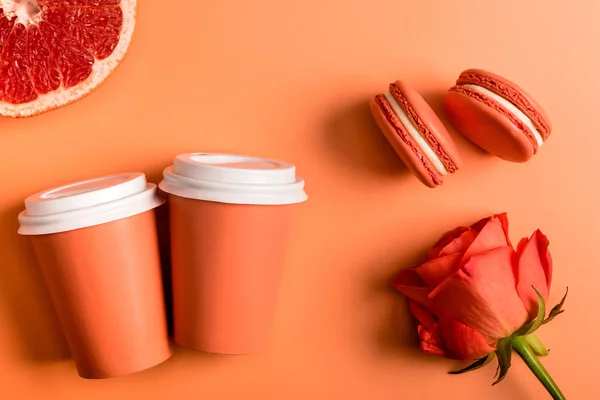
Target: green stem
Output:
[{"x": 526, "y": 352}]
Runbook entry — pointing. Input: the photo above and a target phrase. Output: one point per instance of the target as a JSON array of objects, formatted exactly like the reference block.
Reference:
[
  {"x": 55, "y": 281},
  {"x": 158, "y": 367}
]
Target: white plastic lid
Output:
[
  {"x": 88, "y": 203},
  {"x": 235, "y": 179}
]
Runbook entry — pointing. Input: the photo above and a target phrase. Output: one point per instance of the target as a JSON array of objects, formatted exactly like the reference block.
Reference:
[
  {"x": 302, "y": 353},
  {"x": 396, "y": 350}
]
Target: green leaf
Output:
[
  {"x": 504, "y": 353},
  {"x": 539, "y": 319},
  {"x": 482, "y": 362},
  {"x": 537, "y": 345},
  {"x": 557, "y": 309}
]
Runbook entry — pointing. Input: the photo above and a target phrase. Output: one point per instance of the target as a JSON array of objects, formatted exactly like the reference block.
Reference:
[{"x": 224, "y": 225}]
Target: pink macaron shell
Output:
[
  {"x": 433, "y": 124},
  {"x": 412, "y": 160},
  {"x": 513, "y": 93},
  {"x": 521, "y": 92},
  {"x": 487, "y": 128}
]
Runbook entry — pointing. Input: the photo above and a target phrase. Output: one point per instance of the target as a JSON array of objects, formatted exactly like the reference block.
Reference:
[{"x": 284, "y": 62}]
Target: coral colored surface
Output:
[{"x": 293, "y": 80}]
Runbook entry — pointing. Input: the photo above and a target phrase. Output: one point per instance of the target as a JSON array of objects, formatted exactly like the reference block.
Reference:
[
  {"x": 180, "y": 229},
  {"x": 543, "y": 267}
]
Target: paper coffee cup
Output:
[
  {"x": 230, "y": 217},
  {"x": 97, "y": 246}
]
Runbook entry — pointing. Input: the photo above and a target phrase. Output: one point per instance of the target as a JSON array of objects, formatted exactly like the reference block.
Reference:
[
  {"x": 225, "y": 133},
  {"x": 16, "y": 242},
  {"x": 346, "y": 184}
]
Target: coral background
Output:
[{"x": 292, "y": 80}]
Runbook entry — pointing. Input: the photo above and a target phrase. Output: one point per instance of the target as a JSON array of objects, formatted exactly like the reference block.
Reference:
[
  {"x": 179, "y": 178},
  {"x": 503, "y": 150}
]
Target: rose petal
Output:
[
  {"x": 410, "y": 284},
  {"x": 430, "y": 341},
  {"x": 462, "y": 341},
  {"x": 492, "y": 236},
  {"x": 545, "y": 257},
  {"x": 434, "y": 272},
  {"x": 482, "y": 295},
  {"x": 445, "y": 240},
  {"x": 460, "y": 244},
  {"x": 503, "y": 218},
  {"x": 424, "y": 317},
  {"x": 534, "y": 269}
]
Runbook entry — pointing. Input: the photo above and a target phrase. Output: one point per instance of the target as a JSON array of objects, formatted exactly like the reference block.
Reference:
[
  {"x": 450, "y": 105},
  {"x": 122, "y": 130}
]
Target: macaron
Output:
[
  {"x": 497, "y": 115},
  {"x": 416, "y": 133}
]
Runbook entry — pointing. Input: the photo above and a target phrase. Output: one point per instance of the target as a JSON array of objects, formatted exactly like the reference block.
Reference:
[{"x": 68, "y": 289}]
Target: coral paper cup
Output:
[
  {"x": 97, "y": 246},
  {"x": 230, "y": 219}
]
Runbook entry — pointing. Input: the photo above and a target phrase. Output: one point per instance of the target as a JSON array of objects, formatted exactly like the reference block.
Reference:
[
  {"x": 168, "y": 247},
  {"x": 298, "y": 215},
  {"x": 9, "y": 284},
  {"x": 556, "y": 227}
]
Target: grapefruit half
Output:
[{"x": 54, "y": 52}]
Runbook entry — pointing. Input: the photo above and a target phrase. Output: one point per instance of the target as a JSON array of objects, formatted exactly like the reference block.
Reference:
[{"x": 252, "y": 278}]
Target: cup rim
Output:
[
  {"x": 128, "y": 195},
  {"x": 260, "y": 181}
]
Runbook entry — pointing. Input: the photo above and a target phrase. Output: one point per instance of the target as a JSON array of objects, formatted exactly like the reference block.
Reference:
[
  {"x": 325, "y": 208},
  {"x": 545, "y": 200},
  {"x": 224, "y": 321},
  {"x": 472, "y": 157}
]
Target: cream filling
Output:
[
  {"x": 511, "y": 108},
  {"x": 416, "y": 135}
]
